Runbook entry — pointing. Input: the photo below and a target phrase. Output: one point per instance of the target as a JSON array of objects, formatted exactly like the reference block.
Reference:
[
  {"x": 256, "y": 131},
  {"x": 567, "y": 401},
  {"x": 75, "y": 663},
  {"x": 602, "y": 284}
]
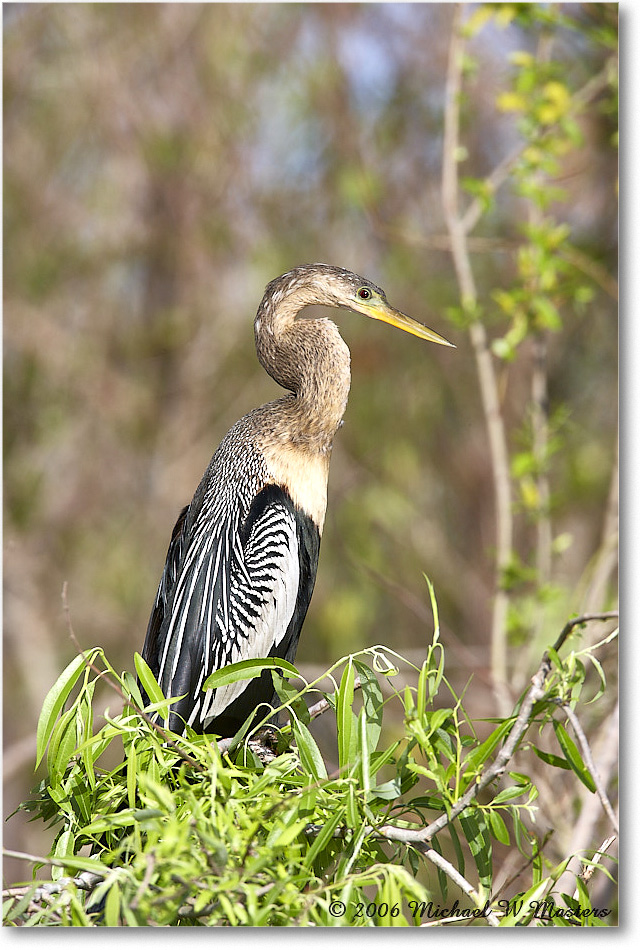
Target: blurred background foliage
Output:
[{"x": 162, "y": 162}]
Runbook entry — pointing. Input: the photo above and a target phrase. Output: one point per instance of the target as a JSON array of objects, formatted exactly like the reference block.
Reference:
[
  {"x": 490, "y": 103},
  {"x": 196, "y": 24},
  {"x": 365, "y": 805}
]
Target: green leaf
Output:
[
  {"x": 346, "y": 719},
  {"x": 572, "y": 755},
  {"x": 363, "y": 750},
  {"x": 112, "y": 906},
  {"x": 498, "y": 827},
  {"x": 247, "y": 670},
  {"x": 379, "y": 759},
  {"x": 555, "y": 760},
  {"x": 290, "y": 696},
  {"x": 478, "y": 756},
  {"x": 76, "y": 863},
  {"x": 132, "y": 769},
  {"x": 62, "y": 745},
  {"x": 56, "y": 699},
  {"x": 286, "y": 830},
  {"x": 372, "y": 704},
  {"x": 473, "y": 823},
  {"x": 508, "y": 794},
  {"x": 148, "y": 680},
  {"x": 311, "y": 758},
  {"x": 524, "y": 906},
  {"x": 64, "y": 847},
  {"x": 324, "y": 836},
  {"x": 388, "y": 791}
]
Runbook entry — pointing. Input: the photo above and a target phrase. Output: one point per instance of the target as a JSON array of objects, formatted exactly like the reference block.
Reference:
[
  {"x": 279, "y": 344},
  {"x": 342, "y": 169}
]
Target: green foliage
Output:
[{"x": 177, "y": 832}]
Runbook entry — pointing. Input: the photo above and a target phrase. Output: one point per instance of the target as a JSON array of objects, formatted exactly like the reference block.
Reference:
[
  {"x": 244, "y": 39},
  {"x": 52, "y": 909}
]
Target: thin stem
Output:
[
  {"x": 590, "y": 764},
  {"x": 439, "y": 861},
  {"x": 457, "y": 232}
]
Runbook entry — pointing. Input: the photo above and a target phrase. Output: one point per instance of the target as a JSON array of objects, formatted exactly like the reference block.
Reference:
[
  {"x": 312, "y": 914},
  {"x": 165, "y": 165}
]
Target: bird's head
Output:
[{"x": 335, "y": 287}]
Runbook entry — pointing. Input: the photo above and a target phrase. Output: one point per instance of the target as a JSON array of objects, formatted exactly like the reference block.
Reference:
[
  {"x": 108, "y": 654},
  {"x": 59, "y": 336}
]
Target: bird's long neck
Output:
[{"x": 310, "y": 359}]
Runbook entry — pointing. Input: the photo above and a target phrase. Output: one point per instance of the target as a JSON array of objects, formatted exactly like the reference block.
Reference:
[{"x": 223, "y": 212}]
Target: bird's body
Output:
[{"x": 242, "y": 561}]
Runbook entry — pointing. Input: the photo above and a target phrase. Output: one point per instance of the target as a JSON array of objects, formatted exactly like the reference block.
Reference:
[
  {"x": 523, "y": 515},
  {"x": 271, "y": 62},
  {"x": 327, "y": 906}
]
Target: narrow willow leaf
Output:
[
  {"x": 435, "y": 611},
  {"x": 372, "y": 703},
  {"x": 247, "y": 670},
  {"x": 456, "y": 843},
  {"x": 556, "y": 760},
  {"x": 524, "y": 905},
  {"x": 600, "y": 672},
  {"x": 112, "y": 906},
  {"x": 510, "y": 793},
  {"x": 131, "y": 687},
  {"x": 388, "y": 791},
  {"x": 478, "y": 756},
  {"x": 148, "y": 680},
  {"x": 352, "y": 812},
  {"x": 364, "y": 751},
  {"x": 380, "y": 759},
  {"x": 346, "y": 738},
  {"x": 77, "y": 863},
  {"x": 290, "y": 696},
  {"x": 62, "y": 745},
  {"x": 324, "y": 836},
  {"x": 572, "y": 755},
  {"x": 421, "y": 690},
  {"x": 436, "y": 719},
  {"x": 132, "y": 769},
  {"x": 473, "y": 823},
  {"x": 311, "y": 758},
  {"x": 85, "y": 730},
  {"x": 64, "y": 847},
  {"x": 56, "y": 699}
]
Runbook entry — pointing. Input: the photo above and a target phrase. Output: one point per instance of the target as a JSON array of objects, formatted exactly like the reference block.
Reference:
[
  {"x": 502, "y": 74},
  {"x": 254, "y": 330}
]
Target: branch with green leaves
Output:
[{"x": 175, "y": 810}]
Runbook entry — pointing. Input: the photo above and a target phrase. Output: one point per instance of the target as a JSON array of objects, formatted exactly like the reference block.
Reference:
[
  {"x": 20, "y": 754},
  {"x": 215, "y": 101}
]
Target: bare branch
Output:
[
  {"x": 590, "y": 764},
  {"x": 457, "y": 233},
  {"x": 439, "y": 861},
  {"x": 85, "y": 881},
  {"x": 589, "y": 870}
]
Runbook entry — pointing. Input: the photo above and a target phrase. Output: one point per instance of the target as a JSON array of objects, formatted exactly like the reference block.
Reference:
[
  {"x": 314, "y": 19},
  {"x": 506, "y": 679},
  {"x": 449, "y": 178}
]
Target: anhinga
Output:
[{"x": 242, "y": 561}]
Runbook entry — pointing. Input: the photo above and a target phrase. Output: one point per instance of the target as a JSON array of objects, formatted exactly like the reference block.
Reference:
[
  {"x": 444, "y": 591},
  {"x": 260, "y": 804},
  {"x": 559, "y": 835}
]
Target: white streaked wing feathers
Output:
[{"x": 242, "y": 599}]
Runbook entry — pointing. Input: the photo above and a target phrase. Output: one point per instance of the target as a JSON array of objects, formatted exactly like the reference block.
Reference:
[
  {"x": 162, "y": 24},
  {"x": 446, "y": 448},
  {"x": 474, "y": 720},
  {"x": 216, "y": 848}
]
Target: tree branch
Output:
[
  {"x": 439, "y": 861},
  {"x": 590, "y": 764},
  {"x": 498, "y": 766},
  {"x": 457, "y": 232}
]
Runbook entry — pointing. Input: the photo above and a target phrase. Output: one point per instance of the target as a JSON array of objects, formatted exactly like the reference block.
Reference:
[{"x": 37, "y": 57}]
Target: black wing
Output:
[{"x": 230, "y": 591}]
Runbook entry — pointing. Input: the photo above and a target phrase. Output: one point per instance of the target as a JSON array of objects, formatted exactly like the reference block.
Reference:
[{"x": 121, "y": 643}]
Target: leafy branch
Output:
[{"x": 167, "y": 845}]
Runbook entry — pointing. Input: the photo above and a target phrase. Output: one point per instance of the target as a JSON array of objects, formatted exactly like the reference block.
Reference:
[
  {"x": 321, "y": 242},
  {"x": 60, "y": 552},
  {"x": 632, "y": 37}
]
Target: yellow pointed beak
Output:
[{"x": 383, "y": 311}]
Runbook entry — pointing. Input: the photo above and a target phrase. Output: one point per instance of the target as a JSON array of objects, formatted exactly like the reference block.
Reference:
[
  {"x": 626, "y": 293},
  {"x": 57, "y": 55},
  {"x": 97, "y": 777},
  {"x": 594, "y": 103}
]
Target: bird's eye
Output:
[{"x": 365, "y": 293}]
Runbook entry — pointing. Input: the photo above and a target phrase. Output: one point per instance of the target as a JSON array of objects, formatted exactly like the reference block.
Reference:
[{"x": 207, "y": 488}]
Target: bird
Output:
[{"x": 242, "y": 560}]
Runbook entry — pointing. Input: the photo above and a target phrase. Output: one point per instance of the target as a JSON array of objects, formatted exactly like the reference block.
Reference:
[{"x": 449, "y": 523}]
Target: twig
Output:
[
  {"x": 580, "y": 841},
  {"x": 589, "y": 870},
  {"x": 439, "y": 861},
  {"x": 537, "y": 851},
  {"x": 86, "y": 880},
  {"x": 144, "y": 884},
  {"x": 457, "y": 232},
  {"x": 582, "y": 619},
  {"x": 590, "y": 764}
]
